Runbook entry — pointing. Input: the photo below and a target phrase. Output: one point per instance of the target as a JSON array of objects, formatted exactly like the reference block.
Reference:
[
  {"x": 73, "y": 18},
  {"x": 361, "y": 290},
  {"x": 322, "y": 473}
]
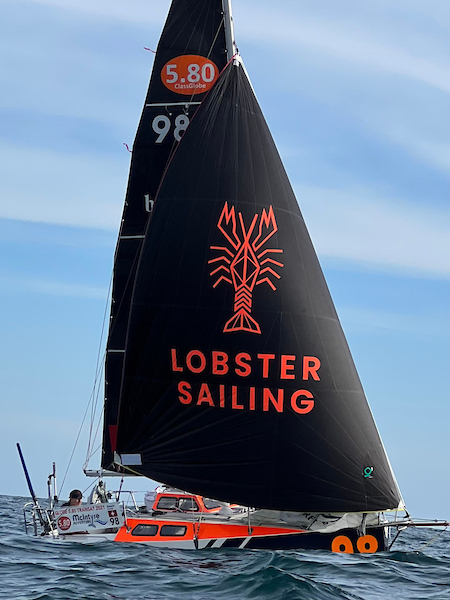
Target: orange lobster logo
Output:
[{"x": 244, "y": 263}]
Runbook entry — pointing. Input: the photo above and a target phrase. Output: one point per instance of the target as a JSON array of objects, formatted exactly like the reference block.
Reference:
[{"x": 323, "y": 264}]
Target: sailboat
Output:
[{"x": 228, "y": 375}]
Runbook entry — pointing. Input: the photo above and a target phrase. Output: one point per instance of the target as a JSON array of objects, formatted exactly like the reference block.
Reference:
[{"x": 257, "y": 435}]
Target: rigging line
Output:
[
  {"x": 130, "y": 282},
  {"x": 197, "y": 529},
  {"x": 104, "y": 321},
  {"x": 215, "y": 37},
  {"x": 74, "y": 448},
  {"x": 127, "y": 468},
  {"x": 76, "y": 440},
  {"x": 94, "y": 399},
  {"x": 222, "y": 23},
  {"x": 90, "y": 453},
  {"x": 90, "y": 485},
  {"x": 98, "y": 425},
  {"x": 399, "y": 530},
  {"x": 134, "y": 264},
  {"x": 432, "y": 540},
  {"x": 95, "y": 395},
  {"x": 93, "y": 452},
  {"x": 98, "y": 369}
]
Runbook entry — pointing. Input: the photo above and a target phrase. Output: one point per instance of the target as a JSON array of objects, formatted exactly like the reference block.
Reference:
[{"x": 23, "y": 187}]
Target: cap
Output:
[{"x": 76, "y": 494}]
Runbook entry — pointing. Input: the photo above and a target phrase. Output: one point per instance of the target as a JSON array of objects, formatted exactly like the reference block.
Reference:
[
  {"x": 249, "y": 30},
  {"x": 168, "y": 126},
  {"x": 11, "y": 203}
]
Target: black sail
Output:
[
  {"x": 239, "y": 383},
  {"x": 190, "y": 55}
]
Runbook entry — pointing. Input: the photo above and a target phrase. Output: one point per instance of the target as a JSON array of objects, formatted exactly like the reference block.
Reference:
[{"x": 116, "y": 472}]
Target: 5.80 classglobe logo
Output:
[{"x": 189, "y": 74}]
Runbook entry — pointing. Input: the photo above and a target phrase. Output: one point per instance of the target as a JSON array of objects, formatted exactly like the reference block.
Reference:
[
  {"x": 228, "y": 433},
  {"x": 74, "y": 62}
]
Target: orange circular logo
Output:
[
  {"x": 189, "y": 74},
  {"x": 64, "y": 523}
]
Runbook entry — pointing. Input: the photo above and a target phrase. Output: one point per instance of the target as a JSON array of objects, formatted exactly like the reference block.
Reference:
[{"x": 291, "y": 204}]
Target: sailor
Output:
[{"x": 75, "y": 497}]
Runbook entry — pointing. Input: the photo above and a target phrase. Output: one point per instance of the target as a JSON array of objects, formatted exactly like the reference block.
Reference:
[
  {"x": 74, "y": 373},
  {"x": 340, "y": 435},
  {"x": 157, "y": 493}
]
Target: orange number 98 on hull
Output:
[{"x": 367, "y": 544}]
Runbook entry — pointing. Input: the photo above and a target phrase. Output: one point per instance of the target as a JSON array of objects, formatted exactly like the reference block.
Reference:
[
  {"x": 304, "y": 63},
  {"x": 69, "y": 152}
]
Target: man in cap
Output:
[{"x": 75, "y": 497}]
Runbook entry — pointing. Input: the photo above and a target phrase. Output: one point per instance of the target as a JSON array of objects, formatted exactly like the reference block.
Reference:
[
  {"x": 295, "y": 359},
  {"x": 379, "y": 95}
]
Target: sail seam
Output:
[{"x": 172, "y": 104}]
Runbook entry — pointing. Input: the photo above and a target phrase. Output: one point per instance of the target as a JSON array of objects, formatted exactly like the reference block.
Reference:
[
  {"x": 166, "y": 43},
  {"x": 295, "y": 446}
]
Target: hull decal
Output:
[{"x": 190, "y": 535}]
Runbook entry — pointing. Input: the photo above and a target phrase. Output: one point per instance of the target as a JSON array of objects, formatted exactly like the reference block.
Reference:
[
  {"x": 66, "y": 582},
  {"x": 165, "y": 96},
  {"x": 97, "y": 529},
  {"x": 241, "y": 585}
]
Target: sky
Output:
[{"x": 357, "y": 98}]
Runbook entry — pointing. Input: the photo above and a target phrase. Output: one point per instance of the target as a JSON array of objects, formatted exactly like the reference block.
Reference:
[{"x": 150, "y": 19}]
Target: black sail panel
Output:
[
  {"x": 239, "y": 383},
  {"x": 190, "y": 55}
]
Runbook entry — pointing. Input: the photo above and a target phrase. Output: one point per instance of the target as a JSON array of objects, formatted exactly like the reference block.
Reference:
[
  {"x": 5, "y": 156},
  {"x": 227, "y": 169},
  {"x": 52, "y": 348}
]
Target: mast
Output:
[{"x": 229, "y": 29}]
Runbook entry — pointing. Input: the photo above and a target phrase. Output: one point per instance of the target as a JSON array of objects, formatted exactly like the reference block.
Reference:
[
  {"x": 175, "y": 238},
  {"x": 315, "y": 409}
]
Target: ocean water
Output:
[{"x": 40, "y": 569}]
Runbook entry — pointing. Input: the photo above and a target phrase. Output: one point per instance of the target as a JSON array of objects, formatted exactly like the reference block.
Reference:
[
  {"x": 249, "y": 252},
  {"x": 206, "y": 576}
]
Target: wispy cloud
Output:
[
  {"x": 138, "y": 11},
  {"x": 381, "y": 69},
  {"x": 49, "y": 187},
  {"x": 46, "y": 234},
  {"x": 17, "y": 283},
  {"x": 437, "y": 153},
  {"x": 353, "y": 40},
  {"x": 433, "y": 152},
  {"x": 27, "y": 424},
  {"x": 381, "y": 233},
  {"x": 356, "y": 318}
]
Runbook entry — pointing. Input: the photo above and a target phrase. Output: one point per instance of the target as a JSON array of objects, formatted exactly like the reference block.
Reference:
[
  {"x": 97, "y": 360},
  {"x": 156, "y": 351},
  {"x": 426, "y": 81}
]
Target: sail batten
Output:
[{"x": 238, "y": 382}]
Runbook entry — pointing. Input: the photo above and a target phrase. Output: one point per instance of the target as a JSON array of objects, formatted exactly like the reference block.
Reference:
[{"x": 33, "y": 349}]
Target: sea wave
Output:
[{"x": 33, "y": 568}]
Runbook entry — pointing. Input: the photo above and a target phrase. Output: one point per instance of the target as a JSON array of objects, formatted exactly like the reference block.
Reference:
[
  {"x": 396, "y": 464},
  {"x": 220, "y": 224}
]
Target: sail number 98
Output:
[
  {"x": 161, "y": 125},
  {"x": 189, "y": 74}
]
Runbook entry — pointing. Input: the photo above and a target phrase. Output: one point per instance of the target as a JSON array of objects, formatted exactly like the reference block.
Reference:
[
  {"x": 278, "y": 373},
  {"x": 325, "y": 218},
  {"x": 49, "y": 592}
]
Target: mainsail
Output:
[
  {"x": 190, "y": 55},
  {"x": 238, "y": 381}
]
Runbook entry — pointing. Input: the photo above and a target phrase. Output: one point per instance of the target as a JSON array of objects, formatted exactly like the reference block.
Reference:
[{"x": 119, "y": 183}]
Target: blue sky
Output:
[{"x": 357, "y": 98}]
